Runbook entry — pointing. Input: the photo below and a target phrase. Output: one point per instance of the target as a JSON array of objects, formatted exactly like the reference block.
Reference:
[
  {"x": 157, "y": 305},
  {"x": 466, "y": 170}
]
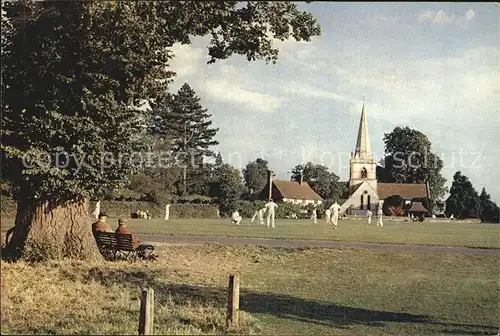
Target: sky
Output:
[{"x": 433, "y": 67}]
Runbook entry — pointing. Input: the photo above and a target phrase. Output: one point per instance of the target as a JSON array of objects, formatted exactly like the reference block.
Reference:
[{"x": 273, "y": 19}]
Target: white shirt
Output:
[
  {"x": 270, "y": 206},
  {"x": 335, "y": 208},
  {"x": 369, "y": 213},
  {"x": 235, "y": 215},
  {"x": 379, "y": 212},
  {"x": 262, "y": 211}
]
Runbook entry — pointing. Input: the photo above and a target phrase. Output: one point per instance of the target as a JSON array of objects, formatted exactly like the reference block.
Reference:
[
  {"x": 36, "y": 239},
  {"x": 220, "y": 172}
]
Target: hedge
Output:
[{"x": 116, "y": 209}]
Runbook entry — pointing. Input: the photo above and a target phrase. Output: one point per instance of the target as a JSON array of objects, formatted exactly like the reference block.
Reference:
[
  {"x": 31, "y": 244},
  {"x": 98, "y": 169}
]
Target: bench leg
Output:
[{"x": 145, "y": 251}]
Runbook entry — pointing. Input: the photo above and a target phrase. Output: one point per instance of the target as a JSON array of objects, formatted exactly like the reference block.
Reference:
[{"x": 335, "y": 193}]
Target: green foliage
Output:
[
  {"x": 117, "y": 209},
  {"x": 464, "y": 201},
  {"x": 227, "y": 187},
  {"x": 285, "y": 209},
  {"x": 409, "y": 159},
  {"x": 218, "y": 160},
  {"x": 324, "y": 183},
  {"x": 193, "y": 211},
  {"x": 78, "y": 71},
  {"x": 255, "y": 175},
  {"x": 181, "y": 117}
]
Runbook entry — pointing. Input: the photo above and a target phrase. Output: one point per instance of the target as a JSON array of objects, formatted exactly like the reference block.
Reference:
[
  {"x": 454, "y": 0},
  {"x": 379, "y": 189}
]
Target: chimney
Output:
[
  {"x": 301, "y": 179},
  {"x": 270, "y": 182}
]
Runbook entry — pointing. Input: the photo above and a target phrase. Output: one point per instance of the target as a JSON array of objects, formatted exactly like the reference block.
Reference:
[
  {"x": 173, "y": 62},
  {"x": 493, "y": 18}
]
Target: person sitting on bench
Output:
[
  {"x": 136, "y": 242},
  {"x": 101, "y": 224}
]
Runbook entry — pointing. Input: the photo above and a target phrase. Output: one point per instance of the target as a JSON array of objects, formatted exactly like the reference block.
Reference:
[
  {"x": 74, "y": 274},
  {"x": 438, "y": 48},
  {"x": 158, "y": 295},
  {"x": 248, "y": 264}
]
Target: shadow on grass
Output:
[{"x": 284, "y": 306}]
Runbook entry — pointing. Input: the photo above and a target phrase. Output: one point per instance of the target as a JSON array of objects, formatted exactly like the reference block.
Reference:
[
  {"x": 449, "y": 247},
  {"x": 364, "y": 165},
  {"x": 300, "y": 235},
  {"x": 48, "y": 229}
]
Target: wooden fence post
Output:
[
  {"x": 146, "y": 315},
  {"x": 233, "y": 300}
]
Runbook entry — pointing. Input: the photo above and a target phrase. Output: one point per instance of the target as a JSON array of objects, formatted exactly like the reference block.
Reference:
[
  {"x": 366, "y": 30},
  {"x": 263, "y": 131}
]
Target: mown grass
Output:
[
  {"x": 300, "y": 292},
  {"x": 396, "y": 232}
]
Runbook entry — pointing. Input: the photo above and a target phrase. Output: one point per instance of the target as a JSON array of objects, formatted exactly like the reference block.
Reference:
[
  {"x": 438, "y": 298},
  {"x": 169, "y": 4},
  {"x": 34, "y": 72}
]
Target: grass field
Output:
[
  {"x": 299, "y": 292},
  {"x": 396, "y": 232}
]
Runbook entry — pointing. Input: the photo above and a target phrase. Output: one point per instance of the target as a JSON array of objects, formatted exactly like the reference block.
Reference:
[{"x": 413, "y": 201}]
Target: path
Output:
[{"x": 296, "y": 243}]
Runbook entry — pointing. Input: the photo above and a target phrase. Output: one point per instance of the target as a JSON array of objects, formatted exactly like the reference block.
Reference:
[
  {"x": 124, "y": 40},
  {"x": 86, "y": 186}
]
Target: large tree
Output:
[
  {"x": 255, "y": 175},
  {"x": 73, "y": 74},
  {"x": 227, "y": 187},
  {"x": 409, "y": 159},
  {"x": 463, "y": 201},
  {"x": 489, "y": 209},
  {"x": 181, "y": 117},
  {"x": 323, "y": 182}
]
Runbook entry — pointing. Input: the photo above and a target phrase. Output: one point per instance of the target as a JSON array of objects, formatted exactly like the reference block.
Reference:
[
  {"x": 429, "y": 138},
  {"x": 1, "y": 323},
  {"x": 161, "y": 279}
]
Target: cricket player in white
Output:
[
  {"x": 236, "y": 218},
  {"x": 314, "y": 216},
  {"x": 380, "y": 214},
  {"x": 259, "y": 213},
  {"x": 167, "y": 211},
  {"x": 369, "y": 214},
  {"x": 270, "y": 206},
  {"x": 335, "y": 208},
  {"x": 328, "y": 216}
]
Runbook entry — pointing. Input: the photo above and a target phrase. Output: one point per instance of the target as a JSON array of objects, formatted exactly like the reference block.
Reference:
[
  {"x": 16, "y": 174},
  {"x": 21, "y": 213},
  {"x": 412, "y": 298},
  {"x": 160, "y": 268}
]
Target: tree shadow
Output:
[{"x": 283, "y": 306}]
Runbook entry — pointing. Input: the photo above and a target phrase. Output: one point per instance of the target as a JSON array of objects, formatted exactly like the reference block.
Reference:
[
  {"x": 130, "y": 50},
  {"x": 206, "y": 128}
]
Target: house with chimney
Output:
[
  {"x": 297, "y": 192},
  {"x": 364, "y": 190}
]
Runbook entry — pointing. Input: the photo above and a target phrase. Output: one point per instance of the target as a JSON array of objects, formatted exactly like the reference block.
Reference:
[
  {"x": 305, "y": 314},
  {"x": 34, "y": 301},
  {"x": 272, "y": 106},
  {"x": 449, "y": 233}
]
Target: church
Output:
[{"x": 364, "y": 190}]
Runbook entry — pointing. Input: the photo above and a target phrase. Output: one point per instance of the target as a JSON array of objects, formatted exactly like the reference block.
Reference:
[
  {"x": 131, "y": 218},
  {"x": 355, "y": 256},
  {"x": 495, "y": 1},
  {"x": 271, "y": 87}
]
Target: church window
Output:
[
  {"x": 368, "y": 203},
  {"x": 361, "y": 205},
  {"x": 364, "y": 173}
]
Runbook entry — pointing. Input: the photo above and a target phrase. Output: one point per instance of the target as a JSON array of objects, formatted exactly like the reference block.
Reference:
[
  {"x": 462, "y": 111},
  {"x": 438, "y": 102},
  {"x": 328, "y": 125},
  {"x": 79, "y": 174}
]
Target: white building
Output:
[{"x": 365, "y": 192}]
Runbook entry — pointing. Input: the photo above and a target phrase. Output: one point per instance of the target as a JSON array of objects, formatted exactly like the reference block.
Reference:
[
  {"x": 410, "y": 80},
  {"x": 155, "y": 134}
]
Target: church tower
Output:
[{"x": 363, "y": 166}]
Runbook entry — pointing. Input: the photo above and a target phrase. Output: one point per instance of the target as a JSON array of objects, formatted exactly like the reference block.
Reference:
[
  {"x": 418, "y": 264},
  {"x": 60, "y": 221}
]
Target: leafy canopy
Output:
[
  {"x": 409, "y": 159},
  {"x": 323, "y": 182},
  {"x": 255, "y": 175},
  {"x": 74, "y": 74}
]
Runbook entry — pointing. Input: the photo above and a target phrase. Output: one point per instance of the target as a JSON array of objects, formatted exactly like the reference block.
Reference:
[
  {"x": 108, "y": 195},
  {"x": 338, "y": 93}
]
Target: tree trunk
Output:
[{"x": 46, "y": 231}]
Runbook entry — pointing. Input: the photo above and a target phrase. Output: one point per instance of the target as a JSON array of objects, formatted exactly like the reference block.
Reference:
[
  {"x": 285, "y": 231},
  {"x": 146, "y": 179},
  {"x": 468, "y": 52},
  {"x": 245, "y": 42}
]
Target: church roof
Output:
[
  {"x": 363, "y": 149},
  {"x": 405, "y": 190},
  {"x": 418, "y": 207},
  {"x": 293, "y": 189}
]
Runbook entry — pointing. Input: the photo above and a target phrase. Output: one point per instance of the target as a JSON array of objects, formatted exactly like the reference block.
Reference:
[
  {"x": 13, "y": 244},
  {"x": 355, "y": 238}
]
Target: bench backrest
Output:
[{"x": 114, "y": 240}]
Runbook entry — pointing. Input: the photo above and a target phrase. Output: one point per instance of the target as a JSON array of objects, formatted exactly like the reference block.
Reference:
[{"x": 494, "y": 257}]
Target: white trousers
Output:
[
  {"x": 260, "y": 216},
  {"x": 270, "y": 219},
  {"x": 335, "y": 220}
]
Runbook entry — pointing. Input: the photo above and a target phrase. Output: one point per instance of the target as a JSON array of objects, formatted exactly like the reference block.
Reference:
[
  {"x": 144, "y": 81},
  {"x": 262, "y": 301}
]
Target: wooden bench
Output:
[{"x": 114, "y": 245}]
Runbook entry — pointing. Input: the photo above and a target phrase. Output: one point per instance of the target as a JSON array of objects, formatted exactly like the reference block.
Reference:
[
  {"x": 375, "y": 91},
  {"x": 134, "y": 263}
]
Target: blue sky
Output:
[{"x": 431, "y": 66}]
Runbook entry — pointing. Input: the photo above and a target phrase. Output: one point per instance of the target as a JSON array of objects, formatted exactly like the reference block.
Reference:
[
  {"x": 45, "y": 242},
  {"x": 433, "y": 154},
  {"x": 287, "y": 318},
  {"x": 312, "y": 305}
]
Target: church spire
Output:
[{"x": 363, "y": 149}]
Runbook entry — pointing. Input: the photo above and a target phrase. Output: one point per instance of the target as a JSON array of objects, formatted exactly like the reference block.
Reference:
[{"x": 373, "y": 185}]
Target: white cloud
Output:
[
  {"x": 435, "y": 17},
  {"x": 469, "y": 15},
  {"x": 188, "y": 60},
  {"x": 229, "y": 91},
  {"x": 295, "y": 88},
  {"x": 441, "y": 17},
  {"x": 448, "y": 85}
]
